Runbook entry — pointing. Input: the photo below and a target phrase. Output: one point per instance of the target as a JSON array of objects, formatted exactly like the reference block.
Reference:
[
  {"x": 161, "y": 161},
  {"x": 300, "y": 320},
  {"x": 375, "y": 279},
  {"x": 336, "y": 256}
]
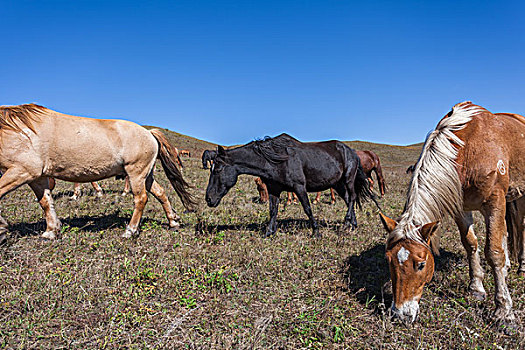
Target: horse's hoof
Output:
[
  {"x": 174, "y": 226},
  {"x": 3, "y": 239},
  {"x": 268, "y": 234},
  {"x": 49, "y": 235},
  {"x": 478, "y": 295},
  {"x": 316, "y": 234},
  {"x": 123, "y": 194},
  {"x": 508, "y": 325},
  {"x": 129, "y": 233}
]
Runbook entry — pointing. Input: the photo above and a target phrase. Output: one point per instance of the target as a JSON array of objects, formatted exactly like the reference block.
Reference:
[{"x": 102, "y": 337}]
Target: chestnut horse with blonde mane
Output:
[
  {"x": 473, "y": 160},
  {"x": 38, "y": 144}
]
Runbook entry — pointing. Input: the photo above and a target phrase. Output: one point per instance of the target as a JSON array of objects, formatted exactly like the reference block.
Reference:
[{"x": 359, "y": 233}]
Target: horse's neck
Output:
[{"x": 247, "y": 162}]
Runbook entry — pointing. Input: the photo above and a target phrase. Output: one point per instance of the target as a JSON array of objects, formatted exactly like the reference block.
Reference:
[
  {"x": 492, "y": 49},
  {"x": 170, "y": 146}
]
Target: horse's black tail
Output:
[
  {"x": 362, "y": 188},
  {"x": 166, "y": 156}
]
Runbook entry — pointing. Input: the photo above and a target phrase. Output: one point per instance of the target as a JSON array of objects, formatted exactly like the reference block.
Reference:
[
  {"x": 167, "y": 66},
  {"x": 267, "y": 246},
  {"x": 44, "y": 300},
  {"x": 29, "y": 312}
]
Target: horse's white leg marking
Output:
[
  {"x": 494, "y": 213},
  {"x": 98, "y": 189},
  {"x": 402, "y": 255},
  {"x": 77, "y": 192},
  {"x": 43, "y": 194},
  {"x": 470, "y": 243}
]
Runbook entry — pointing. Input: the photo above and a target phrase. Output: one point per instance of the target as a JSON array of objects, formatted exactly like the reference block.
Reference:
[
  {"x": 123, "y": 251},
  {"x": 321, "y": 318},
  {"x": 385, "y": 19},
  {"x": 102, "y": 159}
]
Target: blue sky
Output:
[{"x": 233, "y": 71}]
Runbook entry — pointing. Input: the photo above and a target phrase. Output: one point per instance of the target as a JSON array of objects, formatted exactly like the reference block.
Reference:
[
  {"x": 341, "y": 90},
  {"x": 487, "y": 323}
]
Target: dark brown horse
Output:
[
  {"x": 286, "y": 164},
  {"x": 473, "y": 160}
]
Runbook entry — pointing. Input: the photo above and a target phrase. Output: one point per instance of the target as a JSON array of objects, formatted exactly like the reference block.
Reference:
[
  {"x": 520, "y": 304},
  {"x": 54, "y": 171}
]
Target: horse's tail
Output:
[
  {"x": 362, "y": 187},
  {"x": 514, "y": 229},
  {"x": 166, "y": 155}
]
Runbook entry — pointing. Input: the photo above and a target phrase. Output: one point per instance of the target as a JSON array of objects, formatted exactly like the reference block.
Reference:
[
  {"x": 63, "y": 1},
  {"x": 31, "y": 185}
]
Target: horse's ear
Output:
[
  {"x": 389, "y": 224},
  {"x": 221, "y": 151},
  {"x": 428, "y": 230}
]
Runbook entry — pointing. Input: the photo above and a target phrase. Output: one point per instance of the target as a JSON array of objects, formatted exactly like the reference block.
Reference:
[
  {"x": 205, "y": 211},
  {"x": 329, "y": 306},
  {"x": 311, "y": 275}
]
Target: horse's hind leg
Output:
[
  {"x": 273, "y": 203},
  {"x": 43, "y": 194},
  {"x": 158, "y": 192},
  {"x": 77, "y": 192},
  {"x": 97, "y": 189},
  {"x": 350, "y": 219},
  {"x": 497, "y": 255},
  {"x": 140, "y": 198},
  {"x": 470, "y": 243},
  {"x": 305, "y": 202}
]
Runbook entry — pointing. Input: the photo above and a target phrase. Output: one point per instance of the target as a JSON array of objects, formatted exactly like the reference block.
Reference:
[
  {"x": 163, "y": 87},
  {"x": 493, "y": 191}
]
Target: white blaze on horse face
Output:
[{"x": 402, "y": 255}]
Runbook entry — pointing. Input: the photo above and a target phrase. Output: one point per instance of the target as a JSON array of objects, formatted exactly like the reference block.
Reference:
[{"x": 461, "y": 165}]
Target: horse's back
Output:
[
  {"x": 492, "y": 156},
  {"x": 85, "y": 148}
]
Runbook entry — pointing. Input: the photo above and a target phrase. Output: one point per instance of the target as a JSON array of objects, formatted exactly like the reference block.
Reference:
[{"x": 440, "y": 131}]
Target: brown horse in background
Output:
[
  {"x": 473, "y": 160},
  {"x": 38, "y": 144},
  {"x": 77, "y": 193},
  {"x": 370, "y": 162},
  {"x": 263, "y": 193}
]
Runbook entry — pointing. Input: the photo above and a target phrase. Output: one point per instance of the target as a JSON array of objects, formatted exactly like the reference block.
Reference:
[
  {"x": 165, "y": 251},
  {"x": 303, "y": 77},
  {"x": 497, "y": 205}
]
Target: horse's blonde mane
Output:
[
  {"x": 435, "y": 189},
  {"x": 12, "y": 116}
]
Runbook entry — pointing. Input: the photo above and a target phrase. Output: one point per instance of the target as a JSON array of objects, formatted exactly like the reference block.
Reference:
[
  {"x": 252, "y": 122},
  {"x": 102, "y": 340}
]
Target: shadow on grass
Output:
[
  {"x": 366, "y": 275},
  {"x": 90, "y": 223},
  {"x": 288, "y": 226}
]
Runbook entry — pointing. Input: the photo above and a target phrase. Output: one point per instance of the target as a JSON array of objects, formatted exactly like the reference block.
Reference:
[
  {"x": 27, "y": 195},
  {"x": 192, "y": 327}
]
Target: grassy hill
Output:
[{"x": 217, "y": 284}]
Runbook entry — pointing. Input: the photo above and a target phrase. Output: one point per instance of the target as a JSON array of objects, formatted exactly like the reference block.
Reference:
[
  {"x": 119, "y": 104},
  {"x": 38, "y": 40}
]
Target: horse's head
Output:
[
  {"x": 411, "y": 267},
  {"x": 223, "y": 176}
]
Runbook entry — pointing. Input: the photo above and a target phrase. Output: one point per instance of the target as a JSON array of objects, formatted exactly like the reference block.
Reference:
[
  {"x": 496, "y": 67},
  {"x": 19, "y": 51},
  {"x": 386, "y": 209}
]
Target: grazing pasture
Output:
[{"x": 216, "y": 283}]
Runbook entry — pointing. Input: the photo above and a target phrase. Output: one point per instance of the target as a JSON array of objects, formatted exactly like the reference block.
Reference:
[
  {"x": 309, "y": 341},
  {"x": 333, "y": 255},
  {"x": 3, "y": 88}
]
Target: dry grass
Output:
[{"x": 217, "y": 283}]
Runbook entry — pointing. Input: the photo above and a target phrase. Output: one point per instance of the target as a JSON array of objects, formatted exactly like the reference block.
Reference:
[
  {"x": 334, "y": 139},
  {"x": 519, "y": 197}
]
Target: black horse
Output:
[
  {"x": 208, "y": 156},
  {"x": 286, "y": 164}
]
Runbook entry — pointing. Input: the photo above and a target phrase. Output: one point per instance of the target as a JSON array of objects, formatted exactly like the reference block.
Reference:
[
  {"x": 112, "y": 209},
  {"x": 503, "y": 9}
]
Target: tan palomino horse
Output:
[
  {"x": 37, "y": 143},
  {"x": 473, "y": 160}
]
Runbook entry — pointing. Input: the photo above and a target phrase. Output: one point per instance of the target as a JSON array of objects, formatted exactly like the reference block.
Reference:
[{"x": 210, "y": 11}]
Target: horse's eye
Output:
[{"x": 421, "y": 265}]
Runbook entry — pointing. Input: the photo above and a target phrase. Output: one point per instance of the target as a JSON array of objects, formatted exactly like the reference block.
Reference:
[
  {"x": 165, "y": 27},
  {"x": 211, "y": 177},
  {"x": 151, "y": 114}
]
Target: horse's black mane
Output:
[{"x": 274, "y": 149}]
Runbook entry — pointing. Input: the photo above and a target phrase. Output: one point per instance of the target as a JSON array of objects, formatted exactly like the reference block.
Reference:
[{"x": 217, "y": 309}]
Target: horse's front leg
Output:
[
  {"x": 10, "y": 180},
  {"x": 140, "y": 198},
  {"x": 497, "y": 255},
  {"x": 470, "y": 243},
  {"x": 305, "y": 202},
  {"x": 274, "y": 208},
  {"x": 43, "y": 194}
]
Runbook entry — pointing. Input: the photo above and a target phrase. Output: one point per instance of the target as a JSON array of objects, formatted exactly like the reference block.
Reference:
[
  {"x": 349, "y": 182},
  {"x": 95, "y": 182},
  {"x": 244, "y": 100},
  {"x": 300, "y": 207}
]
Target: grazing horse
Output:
[
  {"x": 208, "y": 156},
  {"x": 371, "y": 163},
  {"x": 286, "y": 164},
  {"x": 472, "y": 161},
  {"x": 185, "y": 152},
  {"x": 86, "y": 150}
]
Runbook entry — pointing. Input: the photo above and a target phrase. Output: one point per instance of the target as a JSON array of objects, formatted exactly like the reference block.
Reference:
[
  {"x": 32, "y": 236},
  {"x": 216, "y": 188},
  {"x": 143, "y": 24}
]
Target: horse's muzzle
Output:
[{"x": 407, "y": 313}]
